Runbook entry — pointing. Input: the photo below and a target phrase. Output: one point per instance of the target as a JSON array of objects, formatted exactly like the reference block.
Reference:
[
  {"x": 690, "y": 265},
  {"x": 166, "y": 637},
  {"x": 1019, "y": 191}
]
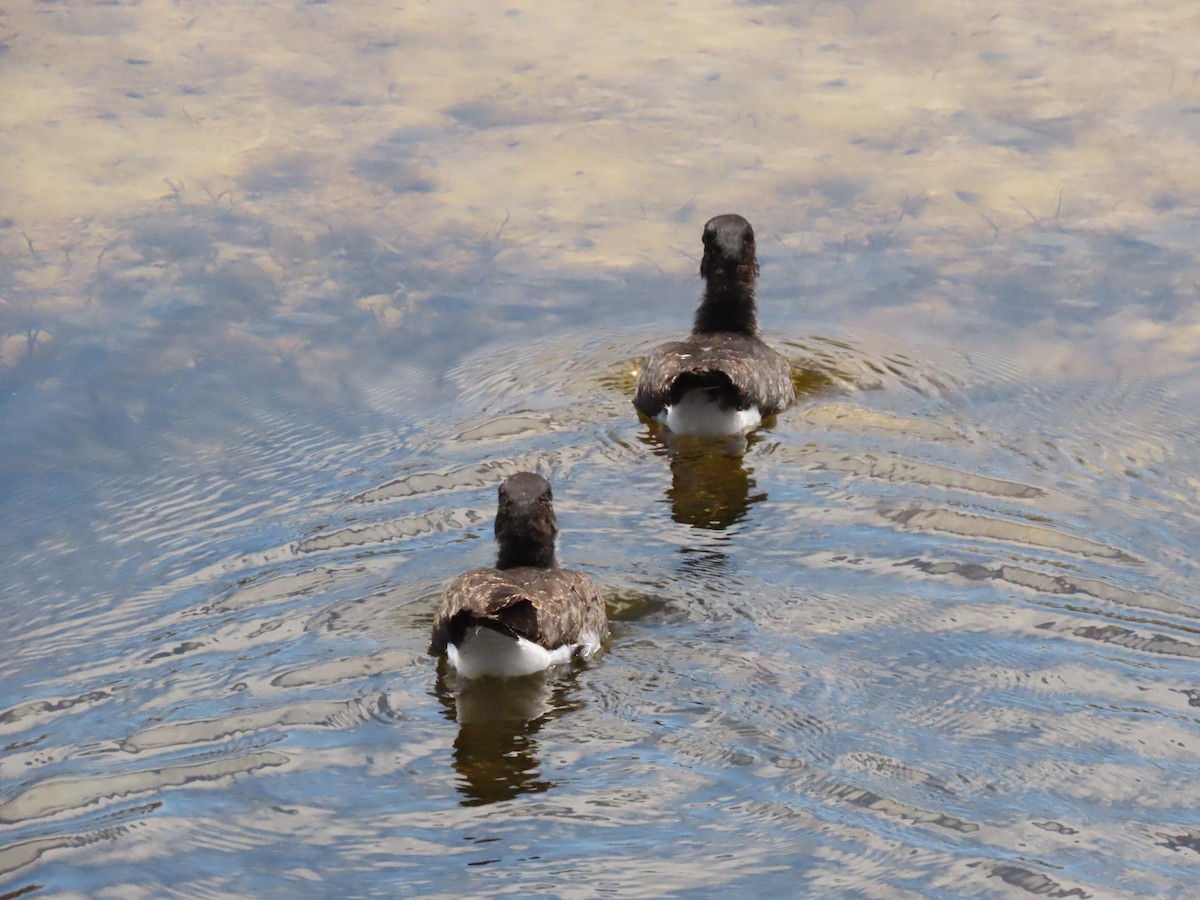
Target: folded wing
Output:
[
  {"x": 550, "y": 607},
  {"x": 742, "y": 370}
]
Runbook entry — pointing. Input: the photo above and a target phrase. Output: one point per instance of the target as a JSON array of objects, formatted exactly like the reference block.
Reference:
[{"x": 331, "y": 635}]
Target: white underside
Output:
[
  {"x": 698, "y": 413},
  {"x": 485, "y": 651}
]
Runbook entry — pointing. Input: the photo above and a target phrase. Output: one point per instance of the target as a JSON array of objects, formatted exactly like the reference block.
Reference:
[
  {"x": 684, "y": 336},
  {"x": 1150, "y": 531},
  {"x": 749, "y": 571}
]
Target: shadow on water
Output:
[{"x": 496, "y": 750}]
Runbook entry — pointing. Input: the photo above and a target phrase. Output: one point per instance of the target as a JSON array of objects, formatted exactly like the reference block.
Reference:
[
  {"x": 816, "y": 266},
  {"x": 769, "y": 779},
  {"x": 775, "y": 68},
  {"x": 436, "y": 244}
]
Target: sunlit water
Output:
[{"x": 934, "y": 631}]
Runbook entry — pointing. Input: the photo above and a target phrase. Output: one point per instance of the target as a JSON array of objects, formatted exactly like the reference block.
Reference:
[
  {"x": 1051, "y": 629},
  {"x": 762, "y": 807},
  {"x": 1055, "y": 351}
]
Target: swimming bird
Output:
[
  {"x": 722, "y": 379},
  {"x": 527, "y": 613}
]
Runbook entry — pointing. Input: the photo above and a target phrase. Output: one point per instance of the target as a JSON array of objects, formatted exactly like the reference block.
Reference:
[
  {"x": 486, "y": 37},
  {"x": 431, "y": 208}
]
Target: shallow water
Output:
[{"x": 273, "y": 326}]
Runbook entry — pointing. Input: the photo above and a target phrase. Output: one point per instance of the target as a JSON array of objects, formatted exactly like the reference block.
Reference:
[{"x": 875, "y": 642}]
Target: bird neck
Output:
[
  {"x": 728, "y": 305},
  {"x": 524, "y": 551}
]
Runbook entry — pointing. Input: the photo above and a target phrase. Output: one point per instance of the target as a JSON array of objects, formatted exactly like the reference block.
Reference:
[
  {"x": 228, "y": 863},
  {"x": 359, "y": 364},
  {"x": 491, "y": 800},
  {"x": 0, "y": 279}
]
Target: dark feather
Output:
[
  {"x": 742, "y": 371},
  {"x": 550, "y": 607}
]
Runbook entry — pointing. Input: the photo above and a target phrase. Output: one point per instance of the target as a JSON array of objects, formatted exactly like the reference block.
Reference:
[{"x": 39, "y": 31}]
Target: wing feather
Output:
[
  {"x": 563, "y": 603},
  {"x": 758, "y": 375}
]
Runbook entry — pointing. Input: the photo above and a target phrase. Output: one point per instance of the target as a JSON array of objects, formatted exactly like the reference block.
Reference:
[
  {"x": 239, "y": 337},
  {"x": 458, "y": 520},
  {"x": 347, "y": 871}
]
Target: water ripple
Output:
[{"x": 73, "y": 794}]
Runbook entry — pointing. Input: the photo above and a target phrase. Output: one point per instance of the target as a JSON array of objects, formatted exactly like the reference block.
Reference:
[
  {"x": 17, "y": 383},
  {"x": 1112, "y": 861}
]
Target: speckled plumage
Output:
[
  {"x": 525, "y": 597},
  {"x": 739, "y": 369},
  {"x": 550, "y": 607},
  {"x": 723, "y": 356}
]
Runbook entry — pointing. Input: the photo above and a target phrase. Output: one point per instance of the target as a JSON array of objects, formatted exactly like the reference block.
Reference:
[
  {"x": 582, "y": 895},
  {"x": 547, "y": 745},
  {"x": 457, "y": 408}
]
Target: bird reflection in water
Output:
[
  {"x": 711, "y": 485},
  {"x": 496, "y": 750}
]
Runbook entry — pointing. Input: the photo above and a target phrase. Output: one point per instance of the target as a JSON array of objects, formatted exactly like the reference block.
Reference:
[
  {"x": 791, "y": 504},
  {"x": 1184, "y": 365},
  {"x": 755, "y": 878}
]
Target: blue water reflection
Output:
[{"x": 271, "y": 339}]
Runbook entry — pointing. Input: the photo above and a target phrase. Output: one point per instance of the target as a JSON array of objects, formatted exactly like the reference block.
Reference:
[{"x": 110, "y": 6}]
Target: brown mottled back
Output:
[
  {"x": 743, "y": 369},
  {"x": 549, "y": 606}
]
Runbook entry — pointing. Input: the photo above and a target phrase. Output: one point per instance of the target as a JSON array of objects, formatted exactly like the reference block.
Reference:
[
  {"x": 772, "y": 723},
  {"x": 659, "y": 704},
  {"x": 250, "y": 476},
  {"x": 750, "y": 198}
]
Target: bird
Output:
[
  {"x": 722, "y": 379},
  {"x": 526, "y": 613}
]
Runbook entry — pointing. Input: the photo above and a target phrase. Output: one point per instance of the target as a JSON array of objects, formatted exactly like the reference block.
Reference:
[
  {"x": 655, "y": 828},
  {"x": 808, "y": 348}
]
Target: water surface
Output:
[{"x": 285, "y": 292}]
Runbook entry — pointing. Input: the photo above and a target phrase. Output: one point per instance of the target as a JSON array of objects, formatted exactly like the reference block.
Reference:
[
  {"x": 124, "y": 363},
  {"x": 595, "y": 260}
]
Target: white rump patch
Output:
[
  {"x": 485, "y": 651},
  {"x": 697, "y": 413}
]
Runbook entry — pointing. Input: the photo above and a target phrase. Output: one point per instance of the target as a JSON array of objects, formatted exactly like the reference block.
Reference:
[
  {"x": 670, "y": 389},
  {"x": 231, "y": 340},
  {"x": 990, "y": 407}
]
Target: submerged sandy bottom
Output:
[{"x": 594, "y": 141}]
